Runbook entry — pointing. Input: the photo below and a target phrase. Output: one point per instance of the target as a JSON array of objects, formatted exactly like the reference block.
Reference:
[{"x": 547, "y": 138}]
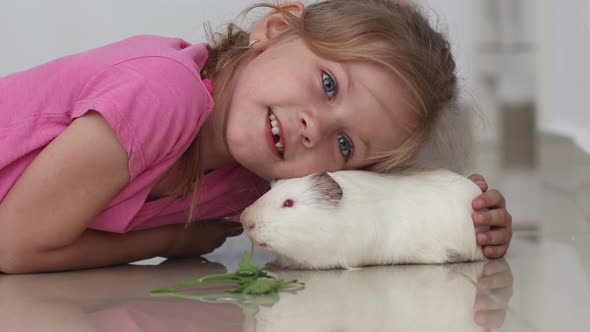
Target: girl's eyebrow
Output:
[
  {"x": 366, "y": 146},
  {"x": 346, "y": 75}
]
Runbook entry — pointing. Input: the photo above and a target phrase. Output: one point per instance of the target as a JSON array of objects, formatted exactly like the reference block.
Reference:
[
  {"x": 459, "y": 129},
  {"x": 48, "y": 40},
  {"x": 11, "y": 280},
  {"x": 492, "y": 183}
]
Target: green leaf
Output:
[
  {"x": 263, "y": 286},
  {"x": 248, "y": 278},
  {"x": 214, "y": 278},
  {"x": 246, "y": 266}
]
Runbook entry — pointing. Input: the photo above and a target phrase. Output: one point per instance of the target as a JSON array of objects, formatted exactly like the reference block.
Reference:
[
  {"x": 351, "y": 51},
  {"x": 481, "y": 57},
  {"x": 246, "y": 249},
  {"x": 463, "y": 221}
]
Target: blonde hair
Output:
[{"x": 393, "y": 34}]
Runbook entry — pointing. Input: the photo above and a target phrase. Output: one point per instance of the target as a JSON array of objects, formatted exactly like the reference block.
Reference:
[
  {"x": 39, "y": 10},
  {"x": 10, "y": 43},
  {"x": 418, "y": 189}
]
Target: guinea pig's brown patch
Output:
[
  {"x": 454, "y": 256},
  {"x": 326, "y": 188}
]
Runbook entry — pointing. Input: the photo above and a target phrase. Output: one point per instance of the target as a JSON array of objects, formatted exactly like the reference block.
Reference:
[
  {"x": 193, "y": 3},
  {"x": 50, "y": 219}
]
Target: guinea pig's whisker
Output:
[
  {"x": 234, "y": 210},
  {"x": 235, "y": 229},
  {"x": 243, "y": 190},
  {"x": 229, "y": 203},
  {"x": 235, "y": 218}
]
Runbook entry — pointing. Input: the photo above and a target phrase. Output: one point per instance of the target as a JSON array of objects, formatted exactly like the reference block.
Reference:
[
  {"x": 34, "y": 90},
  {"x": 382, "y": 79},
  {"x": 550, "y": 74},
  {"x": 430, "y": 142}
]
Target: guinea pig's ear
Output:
[{"x": 326, "y": 189}]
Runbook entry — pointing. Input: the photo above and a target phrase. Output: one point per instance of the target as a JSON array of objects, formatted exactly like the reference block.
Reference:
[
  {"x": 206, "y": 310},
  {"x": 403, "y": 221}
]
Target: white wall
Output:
[
  {"x": 455, "y": 20},
  {"x": 568, "y": 69},
  {"x": 33, "y": 32},
  {"x": 555, "y": 72}
]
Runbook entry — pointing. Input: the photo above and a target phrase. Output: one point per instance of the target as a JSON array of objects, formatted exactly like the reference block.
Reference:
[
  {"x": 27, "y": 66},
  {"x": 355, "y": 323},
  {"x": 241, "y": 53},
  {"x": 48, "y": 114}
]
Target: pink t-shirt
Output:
[{"x": 149, "y": 89}]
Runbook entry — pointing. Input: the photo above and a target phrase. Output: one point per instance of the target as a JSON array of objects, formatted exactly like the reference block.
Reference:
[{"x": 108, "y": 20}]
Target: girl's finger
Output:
[
  {"x": 479, "y": 181},
  {"x": 494, "y": 237},
  {"x": 494, "y": 217},
  {"x": 503, "y": 294},
  {"x": 484, "y": 302},
  {"x": 497, "y": 281},
  {"x": 495, "y": 251},
  {"x": 476, "y": 177},
  {"x": 489, "y": 199},
  {"x": 490, "y": 319},
  {"x": 499, "y": 266}
]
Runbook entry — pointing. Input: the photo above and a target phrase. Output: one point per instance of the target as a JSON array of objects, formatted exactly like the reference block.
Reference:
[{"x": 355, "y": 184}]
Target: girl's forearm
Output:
[{"x": 94, "y": 249}]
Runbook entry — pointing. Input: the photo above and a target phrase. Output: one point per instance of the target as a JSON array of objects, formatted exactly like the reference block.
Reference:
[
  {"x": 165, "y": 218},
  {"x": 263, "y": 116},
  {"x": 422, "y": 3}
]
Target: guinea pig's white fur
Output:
[{"x": 349, "y": 219}]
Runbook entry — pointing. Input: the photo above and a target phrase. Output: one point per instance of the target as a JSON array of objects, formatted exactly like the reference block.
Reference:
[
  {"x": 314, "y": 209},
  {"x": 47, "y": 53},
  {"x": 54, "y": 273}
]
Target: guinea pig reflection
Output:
[
  {"x": 348, "y": 219},
  {"x": 383, "y": 298}
]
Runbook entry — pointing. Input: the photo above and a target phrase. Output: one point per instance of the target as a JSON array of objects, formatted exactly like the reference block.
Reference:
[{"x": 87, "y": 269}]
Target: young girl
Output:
[{"x": 104, "y": 154}]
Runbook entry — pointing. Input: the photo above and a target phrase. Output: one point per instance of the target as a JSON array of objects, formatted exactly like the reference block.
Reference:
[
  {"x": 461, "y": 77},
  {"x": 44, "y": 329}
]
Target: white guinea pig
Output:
[{"x": 349, "y": 219}]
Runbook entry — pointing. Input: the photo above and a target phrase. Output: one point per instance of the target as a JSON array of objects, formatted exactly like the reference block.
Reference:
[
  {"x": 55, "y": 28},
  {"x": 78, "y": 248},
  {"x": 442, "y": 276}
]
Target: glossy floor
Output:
[{"x": 543, "y": 284}]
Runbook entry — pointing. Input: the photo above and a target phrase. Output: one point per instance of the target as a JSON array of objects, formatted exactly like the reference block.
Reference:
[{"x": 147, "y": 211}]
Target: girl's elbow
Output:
[
  {"x": 15, "y": 259},
  {"x": 12, "y": 262}
]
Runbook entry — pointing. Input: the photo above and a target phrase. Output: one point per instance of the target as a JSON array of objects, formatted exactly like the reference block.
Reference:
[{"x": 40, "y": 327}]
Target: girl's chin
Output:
[
  {"x": 255, "y": 167},
  {"x": 264, "y": 174}
]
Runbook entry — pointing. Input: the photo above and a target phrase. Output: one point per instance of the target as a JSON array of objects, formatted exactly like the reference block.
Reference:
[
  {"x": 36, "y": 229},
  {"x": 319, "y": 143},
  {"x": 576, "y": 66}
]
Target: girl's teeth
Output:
[{"x": 274, "y": 127}]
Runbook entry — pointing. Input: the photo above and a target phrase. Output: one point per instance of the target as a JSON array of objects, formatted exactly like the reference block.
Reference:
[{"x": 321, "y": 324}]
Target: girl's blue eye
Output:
[
  {"x": 345, "y": 146},
  {"x": 329, "y": 85}
]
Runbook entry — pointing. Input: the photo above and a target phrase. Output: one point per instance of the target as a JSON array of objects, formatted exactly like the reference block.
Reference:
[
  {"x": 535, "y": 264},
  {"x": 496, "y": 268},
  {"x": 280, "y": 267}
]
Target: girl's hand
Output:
[
  {"x": 494, "y": 291},
  {"x": 491, "y": 211},
  {"x": 201, "y": 237}
]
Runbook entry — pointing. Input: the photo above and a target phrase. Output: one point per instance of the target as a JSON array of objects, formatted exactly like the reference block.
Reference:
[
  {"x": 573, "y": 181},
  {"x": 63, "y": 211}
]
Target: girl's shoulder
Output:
[{"x": 193, "y": 56}]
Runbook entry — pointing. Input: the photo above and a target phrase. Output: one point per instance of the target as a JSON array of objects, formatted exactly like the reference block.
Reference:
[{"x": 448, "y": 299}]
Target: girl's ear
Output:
[{"x": 273, "y": 24}]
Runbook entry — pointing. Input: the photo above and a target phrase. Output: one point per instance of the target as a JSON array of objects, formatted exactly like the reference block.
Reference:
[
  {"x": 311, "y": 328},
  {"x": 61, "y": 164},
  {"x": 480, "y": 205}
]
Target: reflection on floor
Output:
[
  {"x": 550, "y": 253},
  {"x": 543, "y": 284}
]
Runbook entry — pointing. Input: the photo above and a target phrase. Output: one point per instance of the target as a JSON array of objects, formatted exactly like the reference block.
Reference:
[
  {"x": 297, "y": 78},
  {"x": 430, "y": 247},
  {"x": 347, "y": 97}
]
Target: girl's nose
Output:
[{"x": 310, "y": 130}]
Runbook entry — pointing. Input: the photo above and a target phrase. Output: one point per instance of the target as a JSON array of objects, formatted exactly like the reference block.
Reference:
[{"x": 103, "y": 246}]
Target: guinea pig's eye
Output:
[{"x": 288, "y": 203}]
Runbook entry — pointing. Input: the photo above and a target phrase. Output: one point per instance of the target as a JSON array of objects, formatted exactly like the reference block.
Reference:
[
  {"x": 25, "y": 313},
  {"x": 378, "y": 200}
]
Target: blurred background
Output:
[{"x": 525, "y": 76}]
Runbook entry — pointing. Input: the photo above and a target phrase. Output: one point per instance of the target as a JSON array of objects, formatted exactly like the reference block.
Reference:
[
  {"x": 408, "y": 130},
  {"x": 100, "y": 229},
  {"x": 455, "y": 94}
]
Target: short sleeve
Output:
[{"x": 155, "y": 105}]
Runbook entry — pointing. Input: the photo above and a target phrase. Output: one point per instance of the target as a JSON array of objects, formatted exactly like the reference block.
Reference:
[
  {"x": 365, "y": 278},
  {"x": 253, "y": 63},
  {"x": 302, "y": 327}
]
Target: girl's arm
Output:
[
  {"x": 94, "y": 249},
  {"x": 43, "y": 219}
]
